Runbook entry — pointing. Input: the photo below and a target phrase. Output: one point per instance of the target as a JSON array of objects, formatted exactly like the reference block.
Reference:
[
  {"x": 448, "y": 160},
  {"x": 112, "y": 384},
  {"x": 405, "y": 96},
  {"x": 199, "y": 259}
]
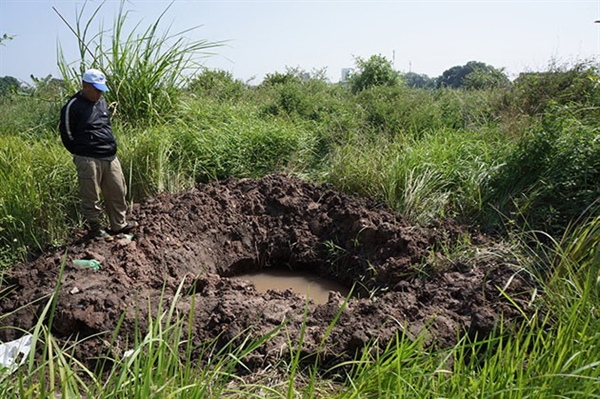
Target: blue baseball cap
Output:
[{"x": 95, "y": 78}]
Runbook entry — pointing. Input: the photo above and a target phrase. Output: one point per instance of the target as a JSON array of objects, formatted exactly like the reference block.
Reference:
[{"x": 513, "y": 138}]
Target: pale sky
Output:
[{"x": 267, "y": 36}]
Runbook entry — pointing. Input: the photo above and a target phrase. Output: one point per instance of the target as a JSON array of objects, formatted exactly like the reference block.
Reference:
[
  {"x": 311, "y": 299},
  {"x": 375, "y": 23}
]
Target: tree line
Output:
[
  {"x": 378, "y": 70},
  {"x": 374, "y": 71}
]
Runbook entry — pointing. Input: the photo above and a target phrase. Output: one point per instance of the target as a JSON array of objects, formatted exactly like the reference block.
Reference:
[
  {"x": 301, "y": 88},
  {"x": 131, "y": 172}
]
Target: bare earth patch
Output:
[{"x": 403, "y": 282}]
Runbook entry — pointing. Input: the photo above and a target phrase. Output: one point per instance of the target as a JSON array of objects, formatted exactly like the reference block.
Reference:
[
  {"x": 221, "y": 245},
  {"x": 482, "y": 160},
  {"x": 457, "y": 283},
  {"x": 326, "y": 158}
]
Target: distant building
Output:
[{"x": 346, "y": 72}]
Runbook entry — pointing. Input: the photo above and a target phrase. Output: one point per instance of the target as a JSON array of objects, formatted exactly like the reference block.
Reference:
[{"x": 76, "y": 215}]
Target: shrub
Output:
[
  {"x": 398, "y": 110},
  {"x": 416, "y": 80},
  {"x": 552, "y": 175},
  {"x": 278, "y": 78},
  {"x": 8, "y": 84},
  {"x": 217, "y": 84},
  {"x": 301, "y": 95},
  {"x": 401, "y": 110},
  {"x": 534, "y": 92}
]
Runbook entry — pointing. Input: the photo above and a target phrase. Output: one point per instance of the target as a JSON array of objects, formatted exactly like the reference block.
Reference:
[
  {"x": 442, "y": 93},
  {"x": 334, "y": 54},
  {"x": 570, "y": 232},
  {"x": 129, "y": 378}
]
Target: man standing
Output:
[{"x": 86, "y": 133}]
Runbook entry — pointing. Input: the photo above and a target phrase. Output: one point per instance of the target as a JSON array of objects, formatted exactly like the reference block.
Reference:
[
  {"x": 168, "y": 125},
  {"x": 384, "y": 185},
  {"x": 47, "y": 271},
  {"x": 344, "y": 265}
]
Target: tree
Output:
[
  {"x": 486, "y": 78},
  {"x": 7, "y": 84},
  {"x": 376, "y": 71},
  {"x": 48, "y": 87},
  {"x": 473, "y": 75},
  {"x": 415, "y": 80}
]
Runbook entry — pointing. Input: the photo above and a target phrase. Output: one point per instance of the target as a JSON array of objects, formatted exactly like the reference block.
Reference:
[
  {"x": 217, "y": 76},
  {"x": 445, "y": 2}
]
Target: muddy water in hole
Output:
[{"x": 315, "y": 287}]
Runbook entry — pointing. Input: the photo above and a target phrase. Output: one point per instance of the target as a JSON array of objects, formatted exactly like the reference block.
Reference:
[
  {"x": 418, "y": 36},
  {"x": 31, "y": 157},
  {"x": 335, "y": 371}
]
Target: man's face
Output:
[{"x": 90, "y": 92}]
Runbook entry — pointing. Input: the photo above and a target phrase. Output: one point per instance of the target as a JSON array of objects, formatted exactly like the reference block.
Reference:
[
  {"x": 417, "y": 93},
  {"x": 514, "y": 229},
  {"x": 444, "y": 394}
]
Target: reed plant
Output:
[
  {"x": 150, "y": 162},
  {"x": 146, "y": 71},
  {"x": 574, "y": 272}
]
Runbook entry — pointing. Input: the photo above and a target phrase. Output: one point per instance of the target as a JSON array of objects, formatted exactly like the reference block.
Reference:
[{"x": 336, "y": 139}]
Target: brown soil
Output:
[{"x": 404, "y": 283}]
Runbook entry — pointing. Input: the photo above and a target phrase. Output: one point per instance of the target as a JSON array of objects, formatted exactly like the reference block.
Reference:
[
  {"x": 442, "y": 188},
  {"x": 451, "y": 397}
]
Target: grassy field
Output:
[
  {"x": 521, "y": 163},
  {"x": 472, "y": 156}
]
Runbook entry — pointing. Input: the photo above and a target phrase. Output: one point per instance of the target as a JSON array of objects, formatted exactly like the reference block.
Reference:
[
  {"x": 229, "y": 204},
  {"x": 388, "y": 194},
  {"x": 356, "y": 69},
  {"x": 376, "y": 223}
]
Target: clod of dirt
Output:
[{"x": 206, "y": 235}]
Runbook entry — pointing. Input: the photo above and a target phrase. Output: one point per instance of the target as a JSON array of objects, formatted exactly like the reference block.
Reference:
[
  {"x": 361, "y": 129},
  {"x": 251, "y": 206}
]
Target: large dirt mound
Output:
[{"x": 403, "y": 281}]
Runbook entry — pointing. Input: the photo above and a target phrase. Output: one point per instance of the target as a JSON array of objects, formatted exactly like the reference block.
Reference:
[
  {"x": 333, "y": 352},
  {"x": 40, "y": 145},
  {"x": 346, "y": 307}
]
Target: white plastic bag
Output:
[{"x": 14, "y": 353}]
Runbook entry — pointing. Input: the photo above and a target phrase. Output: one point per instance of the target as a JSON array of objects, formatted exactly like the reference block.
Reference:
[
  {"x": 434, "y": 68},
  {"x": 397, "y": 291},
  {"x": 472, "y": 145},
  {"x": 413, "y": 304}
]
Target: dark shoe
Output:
[
  {"x": 126, "y": 229},
  {"x": 98, "y": 233}
]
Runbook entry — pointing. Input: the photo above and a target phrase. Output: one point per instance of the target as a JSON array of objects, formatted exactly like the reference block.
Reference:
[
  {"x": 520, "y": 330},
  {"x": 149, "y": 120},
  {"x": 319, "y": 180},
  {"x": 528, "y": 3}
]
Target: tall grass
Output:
[
  {"x": 551, "y": 176},
  {"x": 145, "y": 70},
  {"x": 401, "y": 111},
  {"x": 33, "y": 175},
  {"x": 218, "y": 140},
  {"x": 29, "y": 116},
  {"x": 575, "y": 271},
  {"x": 439, "y": 174},
  {"x": 477, "y": 173}
]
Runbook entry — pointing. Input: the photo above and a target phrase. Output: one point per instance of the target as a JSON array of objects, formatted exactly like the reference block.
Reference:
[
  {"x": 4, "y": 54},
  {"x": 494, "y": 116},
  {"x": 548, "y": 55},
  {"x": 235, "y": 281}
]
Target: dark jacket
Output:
[{"x": 85, "y": 128}]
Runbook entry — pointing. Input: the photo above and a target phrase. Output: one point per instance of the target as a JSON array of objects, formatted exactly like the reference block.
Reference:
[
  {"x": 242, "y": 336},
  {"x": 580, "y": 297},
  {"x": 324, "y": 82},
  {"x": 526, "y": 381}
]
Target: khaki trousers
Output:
[{"x": 95, "y": 176}]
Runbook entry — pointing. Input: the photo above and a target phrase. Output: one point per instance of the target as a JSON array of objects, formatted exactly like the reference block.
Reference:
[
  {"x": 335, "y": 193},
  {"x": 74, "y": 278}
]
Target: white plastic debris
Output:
[
  {"x": 128, "y": 353},
  {"x": 14, "y": 353}
]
